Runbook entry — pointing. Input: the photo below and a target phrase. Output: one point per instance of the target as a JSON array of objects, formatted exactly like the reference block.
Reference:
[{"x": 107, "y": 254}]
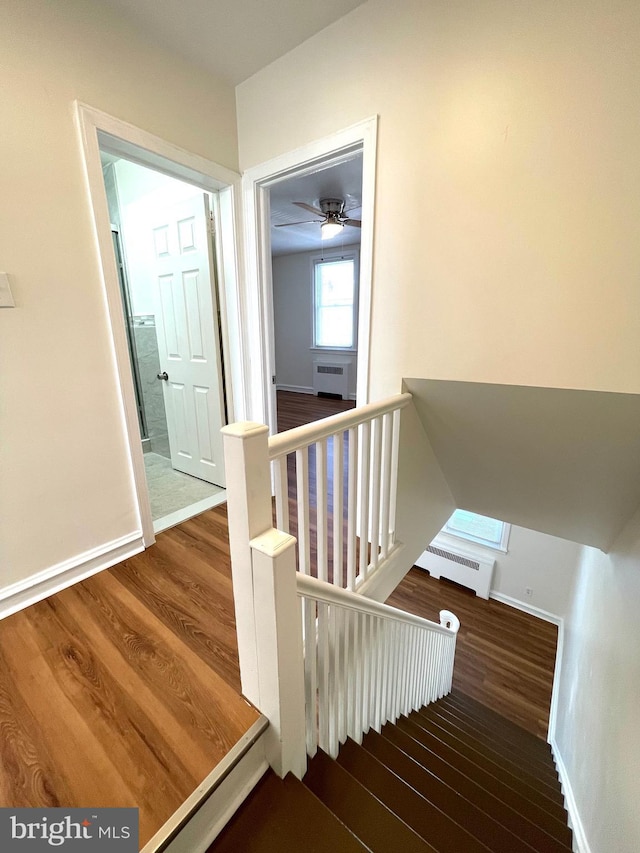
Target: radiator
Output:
[
  {"x": 473, "y": 572},
  {"x": 331, "y": 377}
]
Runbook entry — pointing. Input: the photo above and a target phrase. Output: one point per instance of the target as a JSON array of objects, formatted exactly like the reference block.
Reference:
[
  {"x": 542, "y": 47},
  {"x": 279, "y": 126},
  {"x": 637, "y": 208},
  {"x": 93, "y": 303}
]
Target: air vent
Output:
[
  {"x": 331, "y": 376},
  {"x": 455, "y": 558},
  {"x": 441, "y": 562}
]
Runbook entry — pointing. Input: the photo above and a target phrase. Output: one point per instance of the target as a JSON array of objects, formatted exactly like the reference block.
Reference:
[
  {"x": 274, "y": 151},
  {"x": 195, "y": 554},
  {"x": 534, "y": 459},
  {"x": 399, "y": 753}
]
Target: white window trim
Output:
[{"x": 336, "y": 255}]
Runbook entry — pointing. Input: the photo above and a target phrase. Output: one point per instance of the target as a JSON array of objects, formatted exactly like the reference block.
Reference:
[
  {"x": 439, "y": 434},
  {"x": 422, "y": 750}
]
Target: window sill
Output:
[
  {"x": 465, "y": 547},
  {"x": 338, "y": 350}
]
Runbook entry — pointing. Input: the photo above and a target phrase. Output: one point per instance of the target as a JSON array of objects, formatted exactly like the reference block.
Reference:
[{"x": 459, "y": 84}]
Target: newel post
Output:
[
  {"x": 246, "y": 458},
  {"x": 278, "y": 618}
]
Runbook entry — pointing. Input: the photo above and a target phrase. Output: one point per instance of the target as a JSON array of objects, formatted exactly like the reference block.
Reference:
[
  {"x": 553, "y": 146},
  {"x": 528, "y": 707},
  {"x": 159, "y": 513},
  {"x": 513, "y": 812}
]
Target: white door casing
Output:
[{"x": 188, "y": 338}]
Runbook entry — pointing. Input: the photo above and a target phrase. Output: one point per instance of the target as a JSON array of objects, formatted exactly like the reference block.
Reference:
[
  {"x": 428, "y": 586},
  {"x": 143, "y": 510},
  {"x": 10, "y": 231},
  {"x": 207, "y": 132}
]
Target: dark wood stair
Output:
[{"x": 454, "y": 777}]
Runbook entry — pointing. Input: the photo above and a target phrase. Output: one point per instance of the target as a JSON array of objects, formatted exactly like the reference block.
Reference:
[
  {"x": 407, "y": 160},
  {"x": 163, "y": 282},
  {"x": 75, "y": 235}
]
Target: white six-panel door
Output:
[{"x": 188, "y": 338}]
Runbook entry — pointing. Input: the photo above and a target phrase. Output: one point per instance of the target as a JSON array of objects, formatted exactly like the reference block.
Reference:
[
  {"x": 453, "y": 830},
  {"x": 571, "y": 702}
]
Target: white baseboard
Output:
[
  {"x": 526, "y": 608},
  {"x": 19, "y": 595},
  {"x": 580, "y": 842},
  {"x": 297, "y": 389}
]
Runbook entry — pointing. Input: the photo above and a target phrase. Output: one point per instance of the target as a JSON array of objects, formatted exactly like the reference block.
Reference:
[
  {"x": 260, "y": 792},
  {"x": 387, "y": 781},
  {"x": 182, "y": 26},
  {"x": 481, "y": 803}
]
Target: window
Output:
[
  {"x": 478, "y": 528},
  {"x": 334, "y": 303}
]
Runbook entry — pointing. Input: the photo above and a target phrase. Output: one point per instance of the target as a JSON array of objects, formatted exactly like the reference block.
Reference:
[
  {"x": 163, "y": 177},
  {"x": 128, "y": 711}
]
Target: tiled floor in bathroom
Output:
[{"x": 170, "y": 490}]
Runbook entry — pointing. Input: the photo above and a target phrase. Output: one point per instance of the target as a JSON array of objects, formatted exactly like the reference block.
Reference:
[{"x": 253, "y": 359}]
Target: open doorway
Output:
[
  {"x": 164, "y": 251},
  {"x": 315, "y": 259},
  {"x": 354, "y": 143}
]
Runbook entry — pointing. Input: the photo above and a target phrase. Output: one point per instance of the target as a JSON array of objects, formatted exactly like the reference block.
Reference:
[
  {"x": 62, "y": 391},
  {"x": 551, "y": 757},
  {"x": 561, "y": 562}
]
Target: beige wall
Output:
[
  {"x": 508, "y": 140},
  {"x": 597, "y": 734},
  {"x": 542, "y": 563},
  {"x": 65, "y": 485}
]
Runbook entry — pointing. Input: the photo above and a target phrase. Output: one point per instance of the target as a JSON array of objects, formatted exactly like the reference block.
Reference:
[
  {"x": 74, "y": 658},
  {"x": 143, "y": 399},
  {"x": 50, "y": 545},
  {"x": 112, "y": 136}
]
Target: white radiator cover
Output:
[
  {"x": 331, "y": 376},
  {"x": 470, "y": 570}
]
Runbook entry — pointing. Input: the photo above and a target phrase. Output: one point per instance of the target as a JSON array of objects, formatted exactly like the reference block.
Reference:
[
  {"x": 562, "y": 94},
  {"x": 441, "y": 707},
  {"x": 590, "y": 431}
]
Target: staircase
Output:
[{"x": 454, "y": 777}]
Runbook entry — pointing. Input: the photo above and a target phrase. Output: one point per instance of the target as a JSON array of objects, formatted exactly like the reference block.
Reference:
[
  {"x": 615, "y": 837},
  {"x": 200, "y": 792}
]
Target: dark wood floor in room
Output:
[
  {"x": 297, "y": 409},
  {"x": 504, "y": 658}
]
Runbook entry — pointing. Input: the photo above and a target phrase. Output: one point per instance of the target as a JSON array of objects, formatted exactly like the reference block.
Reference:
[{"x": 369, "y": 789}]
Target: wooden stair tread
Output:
[
  {"x": 511, "y": 815},
  {"x": 474, "y": 707},
  {"x": 535, "y": 752},
  {"x": 552, "y": 824},
  {"x": 474, "y": 754},
  {"x": 539, "y": 776},
  {"x": 465, "y": 812},
  {"x": 365, "y": 815},
  {"x": 410, "y": 806},
  {"x": 282, "y": 815}
]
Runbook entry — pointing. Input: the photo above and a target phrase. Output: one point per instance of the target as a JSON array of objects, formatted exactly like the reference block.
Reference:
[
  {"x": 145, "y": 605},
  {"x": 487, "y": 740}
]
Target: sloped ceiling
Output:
[
  {"x": 232, "y": 38},
  {"x": 563, "y": 462}
]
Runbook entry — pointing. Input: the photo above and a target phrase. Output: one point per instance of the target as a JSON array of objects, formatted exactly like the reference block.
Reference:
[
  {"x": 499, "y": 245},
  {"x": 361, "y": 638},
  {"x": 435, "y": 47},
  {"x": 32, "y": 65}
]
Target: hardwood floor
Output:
[
  {"x": 124, "y": 689},
  {"x": 297, "y": 409},
  {"x": 504, "y": 658}
]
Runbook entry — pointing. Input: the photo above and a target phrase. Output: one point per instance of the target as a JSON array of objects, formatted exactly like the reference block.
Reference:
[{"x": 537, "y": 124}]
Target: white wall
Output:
[
  {"x": 65, "y": 486},
  {"x": 293, "y": 320},
  {"x": 597, "y": 734},
  {"x": 545, "y": 564},
  {"x": 506, "y": 242}
]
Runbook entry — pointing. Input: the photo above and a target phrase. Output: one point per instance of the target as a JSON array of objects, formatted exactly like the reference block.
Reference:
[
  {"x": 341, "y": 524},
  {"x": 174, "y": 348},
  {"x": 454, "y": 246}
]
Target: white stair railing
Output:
[
  {"x": 340, "y": 472},
  {"x": 366, "y": 663},
  {"x": 321, "y": 662}
]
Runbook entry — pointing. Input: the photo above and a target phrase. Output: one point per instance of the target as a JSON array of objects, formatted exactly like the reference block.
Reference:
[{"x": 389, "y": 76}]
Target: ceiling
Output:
[
  {"x": 343, "y": 181},
  {"x": 231, "y": 38},
  {"x": 559, "y": 461}
]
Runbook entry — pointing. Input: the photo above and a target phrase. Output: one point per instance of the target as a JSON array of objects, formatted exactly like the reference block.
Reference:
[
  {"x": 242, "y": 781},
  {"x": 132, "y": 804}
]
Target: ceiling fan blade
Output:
[
  {"x": 308, "y": 207},
  {"x": 302, "y": 222},
  {"x": 356, "y": 223}
]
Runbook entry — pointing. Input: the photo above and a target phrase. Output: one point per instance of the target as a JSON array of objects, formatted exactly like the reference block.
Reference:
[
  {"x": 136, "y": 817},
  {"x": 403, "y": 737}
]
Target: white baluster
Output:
[
  {"x": 365, "y": 437},
  {"x": 387, "y": 447},
  {"x": 323, "y": 676},
  {"x": 393, "y": 476},
  {"x": 311, "y": 674},
  {"x": 352, "y": 503},
  {"x": 321, "y": 508},
  {"x": 377, "y": 484},
  {"x": 359, "y": 675},
  {"x": 302, "y": 498},
  {"x": 338, "y": 520},
  {"x": 282, "y": 493}
]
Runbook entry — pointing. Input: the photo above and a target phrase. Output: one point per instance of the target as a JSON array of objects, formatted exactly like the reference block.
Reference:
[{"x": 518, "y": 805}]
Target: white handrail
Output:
[
  {"x": 303, "y": 436},
  {"x": 311, "y": 587}
]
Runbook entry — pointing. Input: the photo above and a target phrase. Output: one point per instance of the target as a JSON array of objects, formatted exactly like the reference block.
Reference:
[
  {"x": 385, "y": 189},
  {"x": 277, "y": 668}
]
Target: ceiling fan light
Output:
[{"x": 330, "y": 229}]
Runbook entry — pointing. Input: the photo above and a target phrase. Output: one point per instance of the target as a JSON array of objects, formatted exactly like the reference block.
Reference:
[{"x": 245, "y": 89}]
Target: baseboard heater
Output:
[
  {"x": 331, "y": 377},
  {"x": 474, "y": 573}
]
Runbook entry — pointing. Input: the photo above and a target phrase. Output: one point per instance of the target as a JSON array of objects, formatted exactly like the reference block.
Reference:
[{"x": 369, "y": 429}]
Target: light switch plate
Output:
[{"x": 6, "y": 297}]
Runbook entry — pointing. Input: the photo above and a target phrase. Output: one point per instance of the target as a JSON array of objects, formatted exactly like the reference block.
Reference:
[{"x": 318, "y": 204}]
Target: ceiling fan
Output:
[{"x": 333, "y": 212}]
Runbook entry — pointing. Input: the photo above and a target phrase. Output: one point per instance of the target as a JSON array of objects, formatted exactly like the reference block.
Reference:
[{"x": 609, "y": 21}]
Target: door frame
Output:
[
  {"x": 100, "y": 130},
  {"x": 259, "y": 329}
]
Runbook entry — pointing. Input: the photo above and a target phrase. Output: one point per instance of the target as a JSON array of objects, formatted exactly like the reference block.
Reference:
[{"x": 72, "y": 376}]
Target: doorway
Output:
[
  {"x": 258, "y": 183},
  {"x": 164, "y": 252},
  {"x": 315, "y": 281},
  {"x": 98, "y": 132}
]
